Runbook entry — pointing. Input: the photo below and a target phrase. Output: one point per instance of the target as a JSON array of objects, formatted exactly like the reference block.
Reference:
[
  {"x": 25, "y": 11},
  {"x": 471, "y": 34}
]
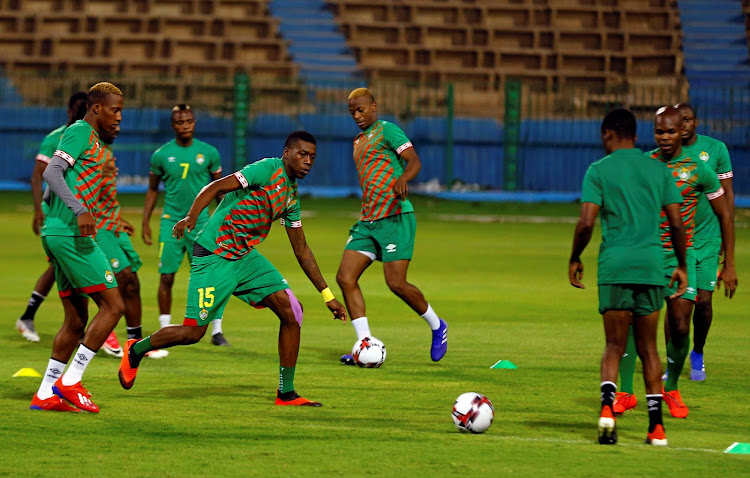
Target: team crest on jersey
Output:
[
  {"x": 203, "y": 314},
  {"x": 115, "y": 263},
  {"x": 200, "y": 159},
  {"x": 109, "y": 277},
  {"x": 684, "y": 174},
  {"x": 703, "y": 156}
]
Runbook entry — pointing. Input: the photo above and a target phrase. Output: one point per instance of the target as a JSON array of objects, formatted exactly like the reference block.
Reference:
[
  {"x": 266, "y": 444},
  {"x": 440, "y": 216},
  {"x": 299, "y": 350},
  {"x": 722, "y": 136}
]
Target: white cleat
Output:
[
  {"x": 27, "y": 329},
  {"x": 157, "y": 354}
]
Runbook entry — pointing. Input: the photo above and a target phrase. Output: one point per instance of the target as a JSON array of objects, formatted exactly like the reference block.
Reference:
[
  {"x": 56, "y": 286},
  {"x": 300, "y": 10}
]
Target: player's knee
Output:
[
  {"x": 344, "y": 280},
  {"x": 192, "y": 335},
  {"x": 167, "y": 280},
  {"x": 296, "y": 307},
  {"x": 397, "y": 286},
  {"x": 703, "y": 301}
]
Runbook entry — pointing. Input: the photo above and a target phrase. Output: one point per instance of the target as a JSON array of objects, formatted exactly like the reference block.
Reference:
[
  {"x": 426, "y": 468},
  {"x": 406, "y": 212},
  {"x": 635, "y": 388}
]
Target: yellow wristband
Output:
[{"x": 327, "y": 295}]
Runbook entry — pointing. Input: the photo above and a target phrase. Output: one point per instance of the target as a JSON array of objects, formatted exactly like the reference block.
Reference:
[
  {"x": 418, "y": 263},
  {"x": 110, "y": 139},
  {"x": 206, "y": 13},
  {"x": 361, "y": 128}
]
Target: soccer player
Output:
[
  {"x": 707, "y": 239},
  {"x": 185, "y": 164},
  {"x": 74, "y": 177},
  {"x": 76, "y": 110},
  {"x": 630, "y": 191},
  {"x": 694, "y": 179},
  {"x": 113, "y": 238},
  {"x": 386, "y": 227},
  {"x": 226, "y": 261}
]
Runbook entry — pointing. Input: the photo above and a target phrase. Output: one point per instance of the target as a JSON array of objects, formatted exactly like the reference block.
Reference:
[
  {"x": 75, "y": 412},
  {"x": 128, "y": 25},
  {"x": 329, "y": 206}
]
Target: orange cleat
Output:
[
  {"x": 291, "y": 398},
  {"x": 657, "y": 437},
  {"x": 677, "y": 407},
  {"x": 623, "y": 402},
  {"x": 75, "y": 394},
  {"x": 127, "y": 372},
  {"x": 607, "y": 427},
  {"x": 51, "y": 404}
]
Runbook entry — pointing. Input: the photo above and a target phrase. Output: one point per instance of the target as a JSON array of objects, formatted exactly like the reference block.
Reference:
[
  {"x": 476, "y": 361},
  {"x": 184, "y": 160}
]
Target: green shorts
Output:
[
  {"x": 214, "y": 279},
  {"x": 80, "y": 265},
  {"x": 642, "y": 299},
  {"x": 707, "y": 264},
  {"x": 171, "y": 250},
  {"x": 388, "y": 239},
  {"x": 671, "y": 263},
  {"x": 119, "y": 250}
]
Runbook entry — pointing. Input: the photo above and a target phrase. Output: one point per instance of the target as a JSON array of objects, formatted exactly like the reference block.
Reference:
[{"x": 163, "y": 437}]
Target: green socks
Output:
[
  {"x": 286, "y": 379},
  {"x": 627, "y": 364},
  {"x": 677, "y": 351},
  {"x": 142, "y": 346}
]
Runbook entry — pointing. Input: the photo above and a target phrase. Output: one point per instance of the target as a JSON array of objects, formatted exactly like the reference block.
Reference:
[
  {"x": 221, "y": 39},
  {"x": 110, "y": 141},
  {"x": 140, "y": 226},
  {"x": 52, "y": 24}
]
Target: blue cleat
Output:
[
  {"x": 347, "y": 359},
  {"x": 439, "y": 342},
  {"x": 697, "y": 367}
]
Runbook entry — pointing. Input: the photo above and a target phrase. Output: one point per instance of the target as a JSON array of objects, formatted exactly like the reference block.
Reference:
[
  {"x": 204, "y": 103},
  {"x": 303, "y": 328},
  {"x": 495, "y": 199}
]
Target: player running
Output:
[
  {"x": 386, "y": 227},
  {"x": 185, "y": 164},
  {"x": 226, "y": 261},
  {"x": 74, "y": 177},
  {"x": 76, "y": 110},
  {"x": 707, "y": 239},
  {"x": 630, "y": 190}
]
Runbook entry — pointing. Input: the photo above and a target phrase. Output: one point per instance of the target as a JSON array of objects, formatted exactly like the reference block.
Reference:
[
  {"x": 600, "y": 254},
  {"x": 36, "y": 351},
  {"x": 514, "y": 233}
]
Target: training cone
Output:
[
  {"x": 506, "y": 364},
  {"x": 739, "y": 448},
  {"x": 27, "y": 372}
]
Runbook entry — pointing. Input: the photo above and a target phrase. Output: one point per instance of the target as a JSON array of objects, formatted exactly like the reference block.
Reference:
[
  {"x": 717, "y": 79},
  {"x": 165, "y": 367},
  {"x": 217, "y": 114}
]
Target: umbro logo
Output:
[
  {"x": 82, "y": 357},
  {"x": 390, "y": 248},
  {"x": 670, "y": 360},
  {"x": 278, "y": 188},
  {"x": 171, "y": 159},
  {"x": 652, "y": 404},
  {"x": 55, "y": 371}
]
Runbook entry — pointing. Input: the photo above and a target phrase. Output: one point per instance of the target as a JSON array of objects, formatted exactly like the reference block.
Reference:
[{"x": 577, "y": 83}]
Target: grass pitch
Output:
[{"x": 500, "y": 284}]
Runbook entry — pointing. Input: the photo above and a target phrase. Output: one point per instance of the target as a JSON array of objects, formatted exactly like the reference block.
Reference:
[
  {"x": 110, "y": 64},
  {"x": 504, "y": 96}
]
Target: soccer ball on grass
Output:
[
  {"x": 369, "y": 352},
  {"x": 473, "y": 413}
]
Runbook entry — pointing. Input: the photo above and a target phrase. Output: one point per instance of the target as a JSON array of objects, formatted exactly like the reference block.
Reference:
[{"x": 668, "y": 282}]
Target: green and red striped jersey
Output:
[
  {"x": 109, "y": 206},
  {"x": 376, "y": 155},
  {"x": 693, "y": 179},
  {"x": 244, "y": 217},
  {"x": 81, "y": 147}
]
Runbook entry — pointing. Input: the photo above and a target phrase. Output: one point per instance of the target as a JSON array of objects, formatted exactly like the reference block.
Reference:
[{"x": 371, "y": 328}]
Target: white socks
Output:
[
  {"x": 54, "y": 371},
  {"x": 431, "y": 317},
  {"x": 164, "y": 320},
  {"x": 361, "y": 327},
  {"x": 81, "y": 360},
  {"x": 217, "y": 326}
]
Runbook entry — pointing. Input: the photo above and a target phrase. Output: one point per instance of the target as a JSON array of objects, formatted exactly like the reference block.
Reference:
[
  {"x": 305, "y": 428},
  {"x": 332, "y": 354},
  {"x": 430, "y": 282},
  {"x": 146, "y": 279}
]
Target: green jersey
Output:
[
  {"x": 49, "y": 144},
  {"x": 243, "y": 218},
  {"x": 376, "y": 155},
  {"x": 693, "y": 179},
  {"x": 631, "y": 191},
  {"x": 184, "y": 170},
  {"x": 109, "y": 206},
  {"x": 713, "y": 153},
  {"x": 81, "y": 147}
]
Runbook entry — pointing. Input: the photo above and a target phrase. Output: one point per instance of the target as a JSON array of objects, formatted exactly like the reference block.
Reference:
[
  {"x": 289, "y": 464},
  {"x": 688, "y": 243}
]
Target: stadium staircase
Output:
[
  {"x": 714, "y": 42},
  {"x": 316, "y": 44}
]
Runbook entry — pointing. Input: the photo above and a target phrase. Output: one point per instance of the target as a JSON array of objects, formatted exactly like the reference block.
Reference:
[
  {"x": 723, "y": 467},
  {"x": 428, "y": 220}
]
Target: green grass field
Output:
[{"x": 501, "y": 283}]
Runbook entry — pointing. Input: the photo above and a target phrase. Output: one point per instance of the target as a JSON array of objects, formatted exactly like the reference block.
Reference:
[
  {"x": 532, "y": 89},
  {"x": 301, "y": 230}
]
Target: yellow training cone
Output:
[{"x": 27, "y": 372}]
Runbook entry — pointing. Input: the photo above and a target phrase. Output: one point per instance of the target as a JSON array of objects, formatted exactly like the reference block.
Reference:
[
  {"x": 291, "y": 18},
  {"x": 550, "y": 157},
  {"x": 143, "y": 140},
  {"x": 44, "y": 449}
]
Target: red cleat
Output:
[
  {"x": 624, "y": 402},
  {"x": 677, "y": 407},
  {"x": 127, "y": 372},
  {"x": 657, "y": 437},
  {"x": 291, "y": 398},
  {"x": 51, "y": 404},
  {"x": 75, "y": 394}
]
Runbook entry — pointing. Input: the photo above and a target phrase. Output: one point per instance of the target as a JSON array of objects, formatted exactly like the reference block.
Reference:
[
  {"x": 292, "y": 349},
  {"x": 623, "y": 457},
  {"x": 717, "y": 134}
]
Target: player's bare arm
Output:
[
  {"x": 581, "y": 238},
  {"x": 36, "y": 194},
  {"x": 148, "y": 208},
  {"x": 215, "y": 176},
  {"x": 127, "y": 227},
  {"x": 728, "y": 273},
  {"x": 413, "y": 165},
  {"x": 209, "y": 192},
  {"x": 679, "y": 242},
  {"x": 309, "y": 265}
]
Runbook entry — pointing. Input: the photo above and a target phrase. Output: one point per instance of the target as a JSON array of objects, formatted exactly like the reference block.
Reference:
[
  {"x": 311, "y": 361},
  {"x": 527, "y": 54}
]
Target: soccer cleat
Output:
[
  {"x": 607, "y": 427},
  {"x": 291, "y": 398},
  {"x": 75, "y": 394},
  {"x": 52, "y": 404},
  {"x": 157, "y": 354},
  {"x": 697, "y": 367},
  {"x": 127, "y": 372},
  {"x": 220, "y": 340},
  {"x": 439, "y": 342},
  {"x": 657, "y": 437},
  {"x": 347, "y": 359},
  {"x": 27, "y": 329},
  {"x": 624, "y": 402},
  {"x": 112, "y": 346},
  {"x": 677, "y": 407}
]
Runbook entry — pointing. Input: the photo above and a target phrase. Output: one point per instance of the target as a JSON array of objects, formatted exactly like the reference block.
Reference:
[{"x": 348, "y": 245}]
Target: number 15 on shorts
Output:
[{"x": 206, "y": 297}]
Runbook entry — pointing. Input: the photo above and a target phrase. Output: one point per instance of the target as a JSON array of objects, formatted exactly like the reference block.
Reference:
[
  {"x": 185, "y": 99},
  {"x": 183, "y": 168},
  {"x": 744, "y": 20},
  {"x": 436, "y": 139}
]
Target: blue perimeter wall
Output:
[{"x": 554, "y": 154}]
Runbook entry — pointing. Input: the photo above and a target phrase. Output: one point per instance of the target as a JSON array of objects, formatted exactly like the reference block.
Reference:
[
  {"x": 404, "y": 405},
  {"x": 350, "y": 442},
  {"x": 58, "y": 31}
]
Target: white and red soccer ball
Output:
[
  {"x": 473, "y": 413},
  {"x": 369, "y": 352}
]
